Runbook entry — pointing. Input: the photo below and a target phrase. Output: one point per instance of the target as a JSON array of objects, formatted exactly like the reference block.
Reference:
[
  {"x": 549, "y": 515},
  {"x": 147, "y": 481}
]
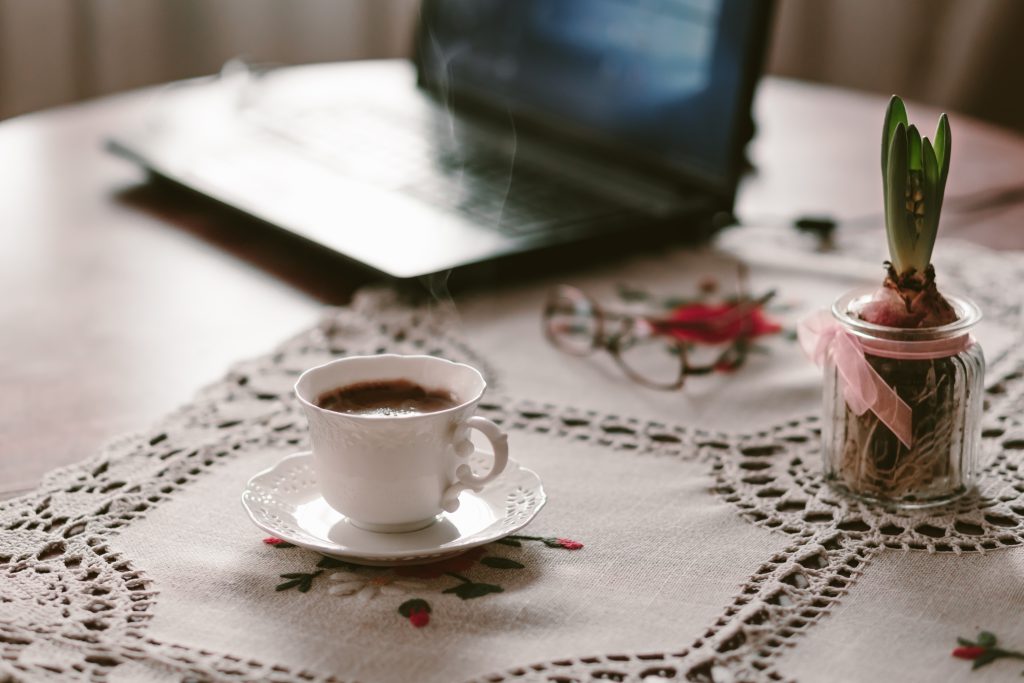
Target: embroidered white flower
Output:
[{"x": 368, "y": 587}]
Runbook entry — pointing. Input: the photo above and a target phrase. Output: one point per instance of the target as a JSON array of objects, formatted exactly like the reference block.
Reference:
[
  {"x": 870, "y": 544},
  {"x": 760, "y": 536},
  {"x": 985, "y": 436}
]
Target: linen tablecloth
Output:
[{"x": 688, "y": 535}]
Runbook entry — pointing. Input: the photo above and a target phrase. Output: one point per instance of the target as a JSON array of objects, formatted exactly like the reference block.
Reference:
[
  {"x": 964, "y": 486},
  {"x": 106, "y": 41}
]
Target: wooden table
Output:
[{"x": 121, "y": 298}]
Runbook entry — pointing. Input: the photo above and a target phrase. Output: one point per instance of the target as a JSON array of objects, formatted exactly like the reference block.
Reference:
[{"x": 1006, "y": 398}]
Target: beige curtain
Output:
[
  {"x": 56, "y": 51},
  {"x": 965, "y": 55}
]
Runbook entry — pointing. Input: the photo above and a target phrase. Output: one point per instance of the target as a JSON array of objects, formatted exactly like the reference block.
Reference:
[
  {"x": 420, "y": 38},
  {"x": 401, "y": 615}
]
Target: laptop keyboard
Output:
[{"x": 421, "y": 158}]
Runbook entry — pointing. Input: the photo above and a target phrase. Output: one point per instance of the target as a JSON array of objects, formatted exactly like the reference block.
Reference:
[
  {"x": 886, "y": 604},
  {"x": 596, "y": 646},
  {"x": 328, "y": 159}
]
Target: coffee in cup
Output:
[
  {"x": 390, "y": 437},
  {"x": 386, "y": 398}
]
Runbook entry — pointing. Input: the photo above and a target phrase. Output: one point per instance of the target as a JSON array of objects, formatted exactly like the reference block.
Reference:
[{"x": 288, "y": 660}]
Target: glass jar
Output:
[{"x": 938, "y": 373}]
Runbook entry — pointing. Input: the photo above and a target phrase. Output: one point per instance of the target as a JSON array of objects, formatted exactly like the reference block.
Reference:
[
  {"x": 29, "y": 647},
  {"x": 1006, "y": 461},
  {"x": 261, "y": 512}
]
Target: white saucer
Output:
[{"x": 285, "y": 502}]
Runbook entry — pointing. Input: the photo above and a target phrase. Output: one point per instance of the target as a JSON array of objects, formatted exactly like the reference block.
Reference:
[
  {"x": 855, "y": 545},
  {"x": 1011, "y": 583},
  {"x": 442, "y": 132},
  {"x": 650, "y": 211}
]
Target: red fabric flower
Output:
[
  {"x": 569, "y": 544},
  {"x": 459, "y": 563},
  {"x": 272, "y": 541},
  {"x": 972, "y": 652},
  {"x": 417, "y": 611},
  {"x": 715, "y": 324}
]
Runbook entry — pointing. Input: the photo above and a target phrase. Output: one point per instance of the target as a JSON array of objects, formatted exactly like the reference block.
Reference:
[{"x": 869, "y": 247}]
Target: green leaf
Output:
[
  {"x": 929, "y": 162},
  {"x": 943, "y": 148},
  {"x": 985, "y": 658},
  {"x": 509, "y": 541},
  {"x": 930, "y": 225},
  {"x": 501, "y": 563},
  {"x": 914, "y": 148},
  {"x": 899, "y": 230},
  {"x": 986, "y": 639},
  {"x": 895, "y": 114},
  {"x": 298, "y": 579},
  {"x": 414, "y": 605},
  {"x": 943, "y": 141},
  {"x": 966, "y": 643},
  {"x": 468, "y": 591}
]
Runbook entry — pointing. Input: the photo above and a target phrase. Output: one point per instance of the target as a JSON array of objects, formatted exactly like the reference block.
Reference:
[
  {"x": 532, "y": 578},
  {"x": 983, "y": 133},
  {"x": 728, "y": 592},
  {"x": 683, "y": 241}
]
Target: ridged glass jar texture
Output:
[{"x": 863, "y": 457}]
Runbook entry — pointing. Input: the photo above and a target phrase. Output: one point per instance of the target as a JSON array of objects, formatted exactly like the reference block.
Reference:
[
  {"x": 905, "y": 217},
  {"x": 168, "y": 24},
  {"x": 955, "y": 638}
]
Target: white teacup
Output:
[{"x": 397, "y": 473}]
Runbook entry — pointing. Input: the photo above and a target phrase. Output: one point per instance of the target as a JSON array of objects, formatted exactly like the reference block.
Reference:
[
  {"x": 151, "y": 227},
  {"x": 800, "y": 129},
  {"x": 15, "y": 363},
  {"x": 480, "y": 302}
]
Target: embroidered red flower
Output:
[
  {"x": 459, "y": 563},
  {"x": 983, "y": 650},
  {"x": 715, "y": 323},
  {"x": 549, "y": 541},
  {"x": 272, "y": 541},
  {"x": 968, "y": 652},
  {"x": 419, "y": 618},
  {"x": 417, "y": 611}
]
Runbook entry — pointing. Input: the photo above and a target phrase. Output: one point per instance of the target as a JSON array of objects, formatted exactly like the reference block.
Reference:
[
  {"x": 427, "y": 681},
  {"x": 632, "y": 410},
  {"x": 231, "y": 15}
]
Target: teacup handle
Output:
[{"x": 464, "y": 477}]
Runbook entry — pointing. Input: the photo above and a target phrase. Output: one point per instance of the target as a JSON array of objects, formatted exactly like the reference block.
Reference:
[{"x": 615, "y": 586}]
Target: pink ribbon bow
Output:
[{"x": 863, "y": 388}]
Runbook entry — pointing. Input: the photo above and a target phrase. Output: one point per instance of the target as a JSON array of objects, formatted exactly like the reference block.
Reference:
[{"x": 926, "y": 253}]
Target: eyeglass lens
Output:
[{"x": 572, "y": 321}]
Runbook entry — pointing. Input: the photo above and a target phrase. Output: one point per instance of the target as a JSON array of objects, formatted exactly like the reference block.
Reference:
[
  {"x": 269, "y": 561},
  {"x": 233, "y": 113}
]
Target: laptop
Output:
[{"x": 520, "y": 125}]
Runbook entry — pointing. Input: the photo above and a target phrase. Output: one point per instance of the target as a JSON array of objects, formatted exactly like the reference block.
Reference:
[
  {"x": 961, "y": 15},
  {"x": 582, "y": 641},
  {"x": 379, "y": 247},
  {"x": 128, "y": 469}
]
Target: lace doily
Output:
[{"x": 72, "y": 609}]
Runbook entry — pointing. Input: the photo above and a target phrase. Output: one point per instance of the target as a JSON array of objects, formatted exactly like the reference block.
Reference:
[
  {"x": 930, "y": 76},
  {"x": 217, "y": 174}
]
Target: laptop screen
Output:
[{"x": 666, "y": 82}]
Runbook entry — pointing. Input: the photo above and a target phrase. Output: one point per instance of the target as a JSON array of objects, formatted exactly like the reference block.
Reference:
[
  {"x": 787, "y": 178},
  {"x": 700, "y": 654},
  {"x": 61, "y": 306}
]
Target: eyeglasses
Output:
[{"x": 654, "y": 351}]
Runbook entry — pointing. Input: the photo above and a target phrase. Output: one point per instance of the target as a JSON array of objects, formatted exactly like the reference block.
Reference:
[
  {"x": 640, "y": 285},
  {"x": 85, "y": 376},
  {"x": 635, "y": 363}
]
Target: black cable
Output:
[{"x": 824, "y": 226}]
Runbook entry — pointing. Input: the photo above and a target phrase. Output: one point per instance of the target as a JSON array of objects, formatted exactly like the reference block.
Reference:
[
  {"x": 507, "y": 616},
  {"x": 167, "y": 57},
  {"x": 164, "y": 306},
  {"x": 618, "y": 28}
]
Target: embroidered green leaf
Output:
[
  {"x": 985, "y": 658},
  {"x": 501, "y": 563},
  {"x": 334, "y": 563},
  {"x": 298, "y": 580},
  {"x": 986, "y": 639},
  {"x": 470, "y": 590},
  {"x": 408, "y": 607},
  {"x": 984, "y": 651},
  {"x": 510, "y": 541}
]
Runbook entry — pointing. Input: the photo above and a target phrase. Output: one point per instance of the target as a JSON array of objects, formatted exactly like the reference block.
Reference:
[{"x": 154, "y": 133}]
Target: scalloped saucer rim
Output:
[{"x": 283, "y": 500}]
